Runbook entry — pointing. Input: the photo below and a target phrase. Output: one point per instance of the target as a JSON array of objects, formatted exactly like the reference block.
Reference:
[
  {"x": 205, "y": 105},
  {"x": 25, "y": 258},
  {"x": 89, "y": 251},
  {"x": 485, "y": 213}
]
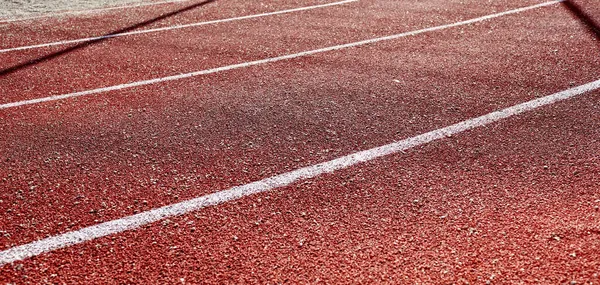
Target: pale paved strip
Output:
[
  {"x": 87, "y": 11},
  {"x": 162, "y": 29},
  {"x": 267, "y": 60},
  {"x": 281, "y": 180}
]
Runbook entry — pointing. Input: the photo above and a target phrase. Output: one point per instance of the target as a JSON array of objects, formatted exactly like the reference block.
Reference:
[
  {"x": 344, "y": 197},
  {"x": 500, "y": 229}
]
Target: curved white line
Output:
[{"x": 174, "y": 27}]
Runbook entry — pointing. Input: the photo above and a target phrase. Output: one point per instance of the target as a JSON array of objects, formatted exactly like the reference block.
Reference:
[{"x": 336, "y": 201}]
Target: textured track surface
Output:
[{"x": 514, "y": 202}]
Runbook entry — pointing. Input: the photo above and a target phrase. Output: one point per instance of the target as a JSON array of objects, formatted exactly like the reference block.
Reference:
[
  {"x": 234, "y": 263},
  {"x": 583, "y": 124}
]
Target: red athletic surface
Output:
[{"x": 513, "y": 202}]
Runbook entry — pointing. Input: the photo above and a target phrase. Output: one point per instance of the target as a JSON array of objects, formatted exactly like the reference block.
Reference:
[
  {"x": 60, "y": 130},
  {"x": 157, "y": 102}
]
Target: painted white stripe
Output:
[
  {"x": 131, "y": 222},
  {"x": 174, "y": 27},
  {"x": 88, "y": 11},
  {"x": 267, "y": 60}
]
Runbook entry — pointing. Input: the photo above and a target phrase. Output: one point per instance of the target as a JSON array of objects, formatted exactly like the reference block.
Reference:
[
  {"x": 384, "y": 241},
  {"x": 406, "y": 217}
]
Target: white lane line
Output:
[
  {"x": 174, "y": 27},
  {"x": 267, "y": 60},
  {"x": 79, "y": 12},
  {"x": 131, "y": 222}
]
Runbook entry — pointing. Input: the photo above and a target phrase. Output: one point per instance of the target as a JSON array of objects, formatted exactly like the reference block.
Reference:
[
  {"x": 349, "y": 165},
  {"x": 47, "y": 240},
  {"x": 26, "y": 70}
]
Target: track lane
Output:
[
  {"x": 207, "y": 47},
  {"x": 122, "y": 152},
  {"x": 247, "y": 64},
  {"x": 516, "y": 201},
  {"x": 120, "y": 225}
]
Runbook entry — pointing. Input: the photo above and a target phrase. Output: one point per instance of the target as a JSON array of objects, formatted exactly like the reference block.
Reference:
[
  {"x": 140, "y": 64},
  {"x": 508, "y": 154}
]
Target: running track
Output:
[{"x": 109, "y": 148}]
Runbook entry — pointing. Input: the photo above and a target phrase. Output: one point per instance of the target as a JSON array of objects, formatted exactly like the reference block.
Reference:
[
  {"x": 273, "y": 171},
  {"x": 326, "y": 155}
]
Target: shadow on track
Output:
[
  {"x": 591, "y": 24},
  {"x": 51, "y": 56}
]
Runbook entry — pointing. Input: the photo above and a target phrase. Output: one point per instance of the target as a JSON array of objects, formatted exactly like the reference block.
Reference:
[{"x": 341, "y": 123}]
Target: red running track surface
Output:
[{"x": 513, "y": 202}]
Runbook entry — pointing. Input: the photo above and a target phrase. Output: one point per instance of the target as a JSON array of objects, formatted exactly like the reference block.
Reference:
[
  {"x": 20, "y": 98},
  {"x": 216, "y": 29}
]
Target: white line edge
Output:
[
  {"x": 267, "y": 60},
  {"x": 64, "y": 42}
]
